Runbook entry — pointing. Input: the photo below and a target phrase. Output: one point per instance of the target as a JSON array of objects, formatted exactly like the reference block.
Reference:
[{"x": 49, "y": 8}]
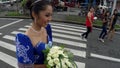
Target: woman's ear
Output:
[{"x": 34, "y": 15}]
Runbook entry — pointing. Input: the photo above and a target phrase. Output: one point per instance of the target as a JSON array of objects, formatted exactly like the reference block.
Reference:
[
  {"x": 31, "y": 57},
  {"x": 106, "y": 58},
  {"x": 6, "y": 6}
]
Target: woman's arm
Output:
[{"x": 24, "y": 51}]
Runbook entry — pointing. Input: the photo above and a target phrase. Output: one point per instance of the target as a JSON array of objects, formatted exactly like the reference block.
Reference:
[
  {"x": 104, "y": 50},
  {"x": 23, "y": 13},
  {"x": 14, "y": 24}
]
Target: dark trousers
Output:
[
  {"x": 87, "y": 32},
  {"x": 103, "y": 32}
]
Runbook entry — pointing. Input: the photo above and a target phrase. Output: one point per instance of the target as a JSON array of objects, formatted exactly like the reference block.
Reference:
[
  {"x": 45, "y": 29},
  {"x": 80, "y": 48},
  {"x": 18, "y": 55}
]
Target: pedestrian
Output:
[
  {"x": 111, "y": 30},
  {"x": 89, "y": 21},
  {"x": 104, "y": 26},
  {"x": 30, "y": 46}
]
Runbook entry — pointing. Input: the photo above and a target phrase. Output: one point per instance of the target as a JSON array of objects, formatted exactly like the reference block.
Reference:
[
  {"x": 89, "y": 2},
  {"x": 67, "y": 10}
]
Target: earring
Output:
[{"x": 35, "y": 20}]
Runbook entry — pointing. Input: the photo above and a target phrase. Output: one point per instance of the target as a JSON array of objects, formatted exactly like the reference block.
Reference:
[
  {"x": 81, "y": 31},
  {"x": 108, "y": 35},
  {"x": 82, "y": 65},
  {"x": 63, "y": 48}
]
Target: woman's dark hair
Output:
[
  {"x": 37, "y": 6},
  {"x": 106, "y": 13},
  {"x": 114, "y": 12}
]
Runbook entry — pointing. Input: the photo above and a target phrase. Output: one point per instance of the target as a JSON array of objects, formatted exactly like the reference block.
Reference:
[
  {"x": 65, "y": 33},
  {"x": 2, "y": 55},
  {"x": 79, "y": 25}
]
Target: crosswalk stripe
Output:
[
  {"x": 65, "y": 25},
  {"x": 67, "y": 36},
  {"x": 80, "y": 65},
  {"x": 8, "y": 59},
  {"x": 0, "y": 33},
  {"x": 66, "y": 28},
  {"x": 71, "y": 29},
  {"x": 56, "y": 34},
  {"x": 57, "y": 30},
  {"x": 16, "y": 32},
  {"x": 68, "y": 32},
  {"x": 83, "y": 45},
  {"x": 79, "y": 53},
  {"x": 7, "y": 46},
  {"x": 22, "y": 29}
]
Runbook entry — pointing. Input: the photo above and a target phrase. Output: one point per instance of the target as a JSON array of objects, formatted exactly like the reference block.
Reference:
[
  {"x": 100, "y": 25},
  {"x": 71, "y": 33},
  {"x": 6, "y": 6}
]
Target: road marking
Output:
[
  {"x": 8, "y": 59},
  {"x": 83, "y": 45},
  {"x": 105, "y": 57},
  {"x": 78, "y": 52},
  {"x": 56, "y": 34},
  {"x": 23, "y": 29},
  {"x": 83, "y": 54},
  {"x": 67, "y": 36},
  {"x": 11, "y": 23},
  {"x": 16, "y": 32},
  {"x": 9, "y": 37},
  {"x": 65, "y": 31},
  {"x": 71, "y": 29},
  {"x": 57, "y": 30},
  {"x": 0, "y": 33},
  {"x": 7, "y": 46},
  {"x": 80, "y": 64},
  {"x": 65, "y": 25}
]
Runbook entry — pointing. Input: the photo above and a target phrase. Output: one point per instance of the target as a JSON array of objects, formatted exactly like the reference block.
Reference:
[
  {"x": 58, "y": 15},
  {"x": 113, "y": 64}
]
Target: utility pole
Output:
[{"x": 114, "y": 6}]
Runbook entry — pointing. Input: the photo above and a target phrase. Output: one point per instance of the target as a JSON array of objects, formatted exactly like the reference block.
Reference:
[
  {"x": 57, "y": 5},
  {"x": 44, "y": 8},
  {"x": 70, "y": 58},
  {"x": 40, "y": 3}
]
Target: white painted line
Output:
[
  {"x": 16, "y": 32},
  {"x": 67, "y": 36},
  {"x": 65, "y": 31},
  {"x": 80, "y": 64},
  {"x": 7, "y": 46},
  {"x": 105, "y": 57},
  {"x": 75, "y": 52},
  {"x": 83, "y": 45},
  {"x": 65, "y": 28},
  {"x": 65, "y": 25},
  {"x": 27, "y": 26},
  {"x": 11, "y": 23},
  {"x": 58, "y": 30},
  {"x": 0, "y": 33},
  {"x": 9, "y": 37},
  {"x": 8, "y": 59},
  {"x": 78, "y": 52},
  {"x": 22, "y": 29}
]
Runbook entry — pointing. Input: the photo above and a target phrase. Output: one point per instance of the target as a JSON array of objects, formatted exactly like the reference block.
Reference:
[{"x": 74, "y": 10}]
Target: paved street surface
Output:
[{"x": 88, "y": 54}]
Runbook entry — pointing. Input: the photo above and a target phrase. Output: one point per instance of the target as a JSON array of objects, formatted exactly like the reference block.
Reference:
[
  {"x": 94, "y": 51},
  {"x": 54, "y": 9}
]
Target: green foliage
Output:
[
  {"x": 23, "y": 2},
  {"x": 13, "y": 13}
]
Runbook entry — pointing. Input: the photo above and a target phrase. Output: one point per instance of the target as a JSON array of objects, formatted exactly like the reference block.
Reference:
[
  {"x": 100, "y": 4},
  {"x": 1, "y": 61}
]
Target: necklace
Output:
[{"x": 35, "y": 30}]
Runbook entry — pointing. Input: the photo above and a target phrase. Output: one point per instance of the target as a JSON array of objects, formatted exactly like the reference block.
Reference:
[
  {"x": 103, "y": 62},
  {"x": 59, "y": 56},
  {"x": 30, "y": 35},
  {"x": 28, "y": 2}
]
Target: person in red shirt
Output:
[{"x": 89, "y": 21}]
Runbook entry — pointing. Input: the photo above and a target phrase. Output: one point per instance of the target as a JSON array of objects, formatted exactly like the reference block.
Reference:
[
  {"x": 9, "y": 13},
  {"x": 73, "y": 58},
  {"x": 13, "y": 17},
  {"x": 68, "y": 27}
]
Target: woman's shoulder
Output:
[{"x": 22, "y": 37}]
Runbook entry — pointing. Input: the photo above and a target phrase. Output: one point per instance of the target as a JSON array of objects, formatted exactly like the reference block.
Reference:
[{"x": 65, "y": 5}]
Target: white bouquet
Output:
[{"x": 58, "y": 57}]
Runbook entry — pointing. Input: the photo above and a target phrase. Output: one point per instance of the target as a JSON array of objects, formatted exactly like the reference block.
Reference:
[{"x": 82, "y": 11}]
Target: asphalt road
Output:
[{"x": 95, "y": 55}]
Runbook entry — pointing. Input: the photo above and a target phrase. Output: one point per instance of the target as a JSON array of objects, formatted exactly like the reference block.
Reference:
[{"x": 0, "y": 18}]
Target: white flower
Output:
[
  {"x": 55, "y": 55},
  {"x": 50, "y": 62},
  {"x": 56, "y": 61},
  {"x": 48, "y": 58},
  {"x": 68, "y": 64}
]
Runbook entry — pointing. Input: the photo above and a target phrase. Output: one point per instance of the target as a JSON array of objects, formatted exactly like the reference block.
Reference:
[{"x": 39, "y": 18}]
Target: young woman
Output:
[
  {"x": 112, "y": 24},
  {"x": 104, "y": 27},
  {"x": 29, "y": 46},
  {"x": 89, "y": 21}
]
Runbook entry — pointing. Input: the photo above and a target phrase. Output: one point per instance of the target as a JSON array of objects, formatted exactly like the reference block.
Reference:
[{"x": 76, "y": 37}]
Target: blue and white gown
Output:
[{"x": 27, "y": 54}]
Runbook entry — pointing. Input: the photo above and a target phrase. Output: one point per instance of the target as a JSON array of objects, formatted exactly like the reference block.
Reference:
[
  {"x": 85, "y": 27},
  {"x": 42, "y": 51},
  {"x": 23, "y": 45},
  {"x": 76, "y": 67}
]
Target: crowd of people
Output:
[{"x": 108, "y": 24}]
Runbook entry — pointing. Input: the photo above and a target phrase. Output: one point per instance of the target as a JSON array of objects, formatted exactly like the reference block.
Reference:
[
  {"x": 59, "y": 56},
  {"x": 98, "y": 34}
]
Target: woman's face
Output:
[
  {"x": 92, "y": 9},
  {"x": 45, "y": 16}
]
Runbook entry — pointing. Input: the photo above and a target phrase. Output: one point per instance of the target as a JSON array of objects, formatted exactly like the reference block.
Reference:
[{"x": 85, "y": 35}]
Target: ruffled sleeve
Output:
[{"x": 24, "y": 49}]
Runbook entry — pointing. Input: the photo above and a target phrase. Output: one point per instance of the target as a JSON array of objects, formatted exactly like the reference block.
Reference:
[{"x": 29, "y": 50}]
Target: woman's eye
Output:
[{"x": 48, "y": 15}]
